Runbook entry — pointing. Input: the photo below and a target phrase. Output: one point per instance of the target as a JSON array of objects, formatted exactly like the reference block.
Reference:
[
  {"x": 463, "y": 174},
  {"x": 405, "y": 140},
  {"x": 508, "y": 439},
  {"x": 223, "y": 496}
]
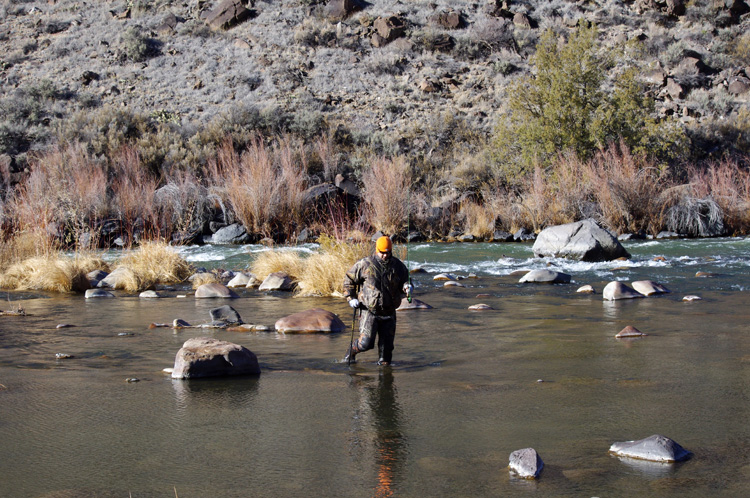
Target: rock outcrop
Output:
[{"x": 583, "y": 240}]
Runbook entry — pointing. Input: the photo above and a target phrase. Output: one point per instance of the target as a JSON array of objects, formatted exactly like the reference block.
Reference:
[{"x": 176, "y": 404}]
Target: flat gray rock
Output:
[
  {"x": 226, "y": 314},
  {"x": 277, "y": 281},
  {"x": 526, "y": 463},
  {"x": 149, "y": 294},
  {"x": 583, "y": 240},
  {"x": 545, "y": 277},
  {"x": 654, "y": 448}
]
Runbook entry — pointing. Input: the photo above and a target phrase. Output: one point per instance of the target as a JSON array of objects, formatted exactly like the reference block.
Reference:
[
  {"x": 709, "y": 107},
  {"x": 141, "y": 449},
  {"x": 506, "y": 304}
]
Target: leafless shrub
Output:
[
  {"x": 689, "y": 215},
  {"x": 728, "y": 185},
  {"x": 386, "y": 191}
]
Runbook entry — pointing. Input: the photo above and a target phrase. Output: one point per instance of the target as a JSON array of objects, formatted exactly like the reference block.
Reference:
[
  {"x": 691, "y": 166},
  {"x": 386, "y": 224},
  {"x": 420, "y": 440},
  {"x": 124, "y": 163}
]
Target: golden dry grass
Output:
[
  {"x": 204, "y": 278},
  {"x": 267, "y": 262},
  {"x": 323, "y": 273},
  {"x": 54, "y": 272},
  {"x": 153, "y": 263},
  {"x": 24, "y": 245},
  {"x": 480, "y": 219}
]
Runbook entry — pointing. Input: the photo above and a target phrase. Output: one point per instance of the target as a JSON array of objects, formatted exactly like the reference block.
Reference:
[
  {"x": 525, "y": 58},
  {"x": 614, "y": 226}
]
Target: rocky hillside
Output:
[{"x": 394, "y": 73}]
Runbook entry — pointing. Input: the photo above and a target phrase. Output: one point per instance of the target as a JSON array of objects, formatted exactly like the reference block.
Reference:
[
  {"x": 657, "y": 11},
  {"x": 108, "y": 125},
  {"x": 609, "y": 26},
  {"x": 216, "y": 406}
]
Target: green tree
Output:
[{"x": 561, "y": 106}]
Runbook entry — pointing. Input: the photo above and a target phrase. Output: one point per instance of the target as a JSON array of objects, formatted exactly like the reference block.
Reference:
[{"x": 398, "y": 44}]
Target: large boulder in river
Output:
[
  {"x": 214, "y": 289},
  {"x": 208, "y": 357},
  {"x": 655, "y": 448},
  {"x": 545, "y": 277},
  {"x": 618, "y": 290},
  {"x": 310, "y": 321},
  {"x": 584, "y": 240}
]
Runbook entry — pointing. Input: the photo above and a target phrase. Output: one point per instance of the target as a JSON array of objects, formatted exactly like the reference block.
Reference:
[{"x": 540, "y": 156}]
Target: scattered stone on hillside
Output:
[
  {"x": 521, "y": 20},
  {"x": 88, "y": 76},
  {"x": 226, "y": 314},
  {"x": 739, "y": 85},
  {"x": 654, "y": 448},
  {"x": 586, "y": 289},
  {"x": 649, "y": 287},
  {"x": 676, "y": 7},
  {"x": 277, "y": 281},
  {"x": 341, "y": 9},
  {"x": 674, "y": 89},
  {"x": 168, "y": 24},
  {"x": 415, "y": 304},
  {"x": 584, "y": 240},
  {"x": 207, "y": 357},
  {"x": 347, "y": 186},
  {"x": 480, "y": 307},
  {"x": 231, "y": 234},
  {"x": 228, "y": 14},
  {"x": 655, "y": 77},
  {"x": 545, "y": 277},
  {"x": 526, "y": 463},
  {"x": 315, "y": 320},
  {"x": 629, "y": 331},
  {"x": 387, "y": 29},
  {"x": 448, "y": 19},
  {"x": 214, "y": 290},
  {"x": 618, "y": 290},
  {"x": 428, "y": 85},
  {"x": 98, "y": 293}
]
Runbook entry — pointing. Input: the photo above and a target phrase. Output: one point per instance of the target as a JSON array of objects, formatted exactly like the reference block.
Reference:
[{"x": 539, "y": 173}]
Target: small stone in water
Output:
[
  {"x": 62, "y": 356},
  {"x": 629, "y": 331},
  {"x": 692, "y": 298},
  {"x": 132, "y": 379},
  {"x": 64, "y": 326}
]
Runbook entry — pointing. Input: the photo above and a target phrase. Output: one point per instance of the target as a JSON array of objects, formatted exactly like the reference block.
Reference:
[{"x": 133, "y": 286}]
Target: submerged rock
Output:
[
  {"x": 649, "y": 287},
  {"x": 692, "y": 297},
  {"x": 226, "y": 314},
  {"x": 214, "y": 290},
  {"x": 453, "y": 283},
  {"x": 208, "y": 357},
  {"x": 310, "y": 321},
  {"x": 149, "y": 294},
  {"x": 545, "y": 277},
  {"x": 98, "y": 293},
  {"x": 654, "y": 448},
  {"x": 629, "y": 331},
  {"x": 584, "y": 240},
  {"x": 445, "y": 276},
  {"x": 586, "y": 289},
  {"x": 415, "y": 304},
  {"x": 618, "y": 290},
  {"x": 480, "y": 307},
  {"x": 526, "y": 463}
]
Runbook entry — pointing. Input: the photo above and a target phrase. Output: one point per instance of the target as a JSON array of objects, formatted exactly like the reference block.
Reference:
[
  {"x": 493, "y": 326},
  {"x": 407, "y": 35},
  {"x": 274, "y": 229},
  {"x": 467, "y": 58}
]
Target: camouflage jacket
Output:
[{"x": 378, "y": 285}]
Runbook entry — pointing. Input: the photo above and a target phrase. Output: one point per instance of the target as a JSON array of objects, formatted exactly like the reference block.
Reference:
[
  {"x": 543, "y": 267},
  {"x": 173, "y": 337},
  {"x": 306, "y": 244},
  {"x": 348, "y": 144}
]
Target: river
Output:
[{"x": 542, "y": 369}]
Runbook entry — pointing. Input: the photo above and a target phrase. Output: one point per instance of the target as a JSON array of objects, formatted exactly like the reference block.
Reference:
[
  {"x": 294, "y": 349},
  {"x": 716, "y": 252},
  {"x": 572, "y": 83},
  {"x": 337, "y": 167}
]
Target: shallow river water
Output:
[{"x": 542, "y": 369}]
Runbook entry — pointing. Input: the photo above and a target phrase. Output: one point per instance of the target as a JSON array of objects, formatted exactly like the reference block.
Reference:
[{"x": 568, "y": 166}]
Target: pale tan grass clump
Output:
[
  {"x": 387, "y": 183},
  {"x": 24, "y": 245},
  {"x": 154, "y": 263},
  {"x": 205, "y": 278},
  {"x": 54, "y": 273},
  {"x": 479, "y": 219},
  {"x": 324, "y": 271},
  {"x": 267, "y": 262}
]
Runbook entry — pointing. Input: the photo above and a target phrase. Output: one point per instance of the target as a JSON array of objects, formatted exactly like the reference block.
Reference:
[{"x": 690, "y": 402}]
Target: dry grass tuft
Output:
[
  {"x": 205, "y": 278},
  {"x": 323, "y": 274},
  {"x": 154, "y": 263},
  {"x": 24, "y": 245},
  {"x": 480, "y": 219},
  {"x": 387, "y": 185},
  {"x": 267, "y": 262},
  {"x": 54, "y": 273}
]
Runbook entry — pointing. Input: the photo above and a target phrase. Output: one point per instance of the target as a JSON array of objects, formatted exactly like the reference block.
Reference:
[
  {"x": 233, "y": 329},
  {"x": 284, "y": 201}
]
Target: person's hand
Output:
[
  {"x": 354, "y": 303},
  {"x": 408, "y": 289}
]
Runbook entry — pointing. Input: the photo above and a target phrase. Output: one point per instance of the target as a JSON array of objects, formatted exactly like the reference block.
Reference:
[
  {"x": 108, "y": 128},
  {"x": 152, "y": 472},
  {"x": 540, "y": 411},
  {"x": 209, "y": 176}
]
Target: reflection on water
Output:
[
  {"x": 379, "y": 409},
  {"x": 463, "y": 392}
]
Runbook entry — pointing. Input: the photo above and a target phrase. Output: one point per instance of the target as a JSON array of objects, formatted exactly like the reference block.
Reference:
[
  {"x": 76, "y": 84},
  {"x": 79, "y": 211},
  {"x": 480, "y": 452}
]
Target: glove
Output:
[
  {"x": 408, "y": 289},
  {"x": 354, "y": 303}
]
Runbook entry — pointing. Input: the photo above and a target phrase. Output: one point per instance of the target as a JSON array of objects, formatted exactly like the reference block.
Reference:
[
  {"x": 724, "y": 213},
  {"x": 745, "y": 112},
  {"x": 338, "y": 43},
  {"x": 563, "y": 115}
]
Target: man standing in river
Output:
[{"x": 376, "y": 285}]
